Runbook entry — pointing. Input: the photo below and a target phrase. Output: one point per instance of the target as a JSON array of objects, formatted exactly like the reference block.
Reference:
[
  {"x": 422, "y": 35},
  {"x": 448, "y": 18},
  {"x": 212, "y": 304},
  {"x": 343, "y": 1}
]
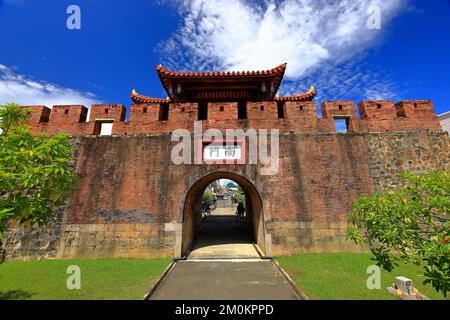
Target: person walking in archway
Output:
[
  {"x": 206, "y": 210},
  {"x": 240, "y": 210}
]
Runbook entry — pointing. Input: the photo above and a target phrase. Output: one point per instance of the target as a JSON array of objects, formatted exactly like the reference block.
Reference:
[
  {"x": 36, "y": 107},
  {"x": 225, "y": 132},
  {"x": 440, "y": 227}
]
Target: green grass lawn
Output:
[
  {"x": 343, "y": 276},
  {"x": 122, "y": 279}
]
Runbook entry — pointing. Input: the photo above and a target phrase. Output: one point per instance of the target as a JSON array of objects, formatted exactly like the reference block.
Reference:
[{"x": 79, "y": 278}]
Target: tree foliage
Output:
[
  {"x": 240, "y": 195},
  {"x": 35, "y": 171},
  {"x": 11, "y": 115},
  {"x": 208, "y": 197},
  {"x": 408, "y": 224}
]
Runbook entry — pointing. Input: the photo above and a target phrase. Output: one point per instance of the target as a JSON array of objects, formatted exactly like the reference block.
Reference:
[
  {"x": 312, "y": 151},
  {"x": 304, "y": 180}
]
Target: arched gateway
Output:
[{"x": 192, "y": 213}]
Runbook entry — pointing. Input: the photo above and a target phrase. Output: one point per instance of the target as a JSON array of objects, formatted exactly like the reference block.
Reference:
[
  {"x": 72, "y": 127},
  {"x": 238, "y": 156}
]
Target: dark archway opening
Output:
[{"x": 220, "y": 233}]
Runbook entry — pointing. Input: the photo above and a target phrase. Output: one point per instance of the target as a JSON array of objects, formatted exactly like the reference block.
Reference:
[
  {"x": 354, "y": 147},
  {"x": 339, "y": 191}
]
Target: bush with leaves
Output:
[
  {"x": 408, "y": 224},
  {"x": 240, "y": 196},
  {"x": 208, "y": 198},
  {"x": 35, "y": 171}
]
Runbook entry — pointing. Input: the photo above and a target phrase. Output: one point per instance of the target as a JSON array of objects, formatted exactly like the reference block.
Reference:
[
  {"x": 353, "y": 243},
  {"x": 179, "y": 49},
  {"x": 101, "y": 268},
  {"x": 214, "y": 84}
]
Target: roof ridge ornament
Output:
[
  {"x": 138, "y": 98},
  {"x": 305, "y": 96}
]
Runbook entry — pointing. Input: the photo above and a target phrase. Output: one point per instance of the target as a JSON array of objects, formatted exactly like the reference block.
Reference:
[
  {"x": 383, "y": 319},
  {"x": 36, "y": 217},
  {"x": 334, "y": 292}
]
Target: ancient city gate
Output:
[
  {"x": 192, "y": 217},
  {"x": 134, "y": 201}
]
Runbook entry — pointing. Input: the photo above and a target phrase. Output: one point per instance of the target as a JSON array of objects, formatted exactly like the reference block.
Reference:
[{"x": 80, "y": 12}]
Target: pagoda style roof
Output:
[
  {"x": 306, "y": 96},
  {"x": 222, "y": 86},
  {"x": 137, "y": 98}
]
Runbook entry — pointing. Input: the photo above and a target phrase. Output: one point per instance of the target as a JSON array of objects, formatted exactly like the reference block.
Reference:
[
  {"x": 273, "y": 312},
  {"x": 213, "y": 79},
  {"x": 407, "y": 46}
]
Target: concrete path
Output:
[
  {"x": 224, "y": 280},
  {"x": 229, "y": 211},
  {"x": 221, "y": 237},
  {"x": 224, "y": 265}
]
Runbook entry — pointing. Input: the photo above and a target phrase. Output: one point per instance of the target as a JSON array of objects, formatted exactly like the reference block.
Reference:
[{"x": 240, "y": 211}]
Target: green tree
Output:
[
  {"x": 240, "y": 195},
  {"x": 11, "y": 115},
  {"x": 35, "y": 171},
  {"x": 408, "y": 224},
  {"x": 208, "y": 197}
]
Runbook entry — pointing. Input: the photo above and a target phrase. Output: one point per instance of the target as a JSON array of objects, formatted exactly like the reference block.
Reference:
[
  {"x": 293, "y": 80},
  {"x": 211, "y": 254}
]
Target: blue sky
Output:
[{"x": 121, "y": 42}]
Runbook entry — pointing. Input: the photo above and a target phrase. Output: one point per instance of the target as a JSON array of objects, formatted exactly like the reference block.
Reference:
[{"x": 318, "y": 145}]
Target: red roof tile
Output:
[
  {"x": 275, "y": 71},
  {"x": 137, "y": 98},
  {"x": 306, "y": 96}
]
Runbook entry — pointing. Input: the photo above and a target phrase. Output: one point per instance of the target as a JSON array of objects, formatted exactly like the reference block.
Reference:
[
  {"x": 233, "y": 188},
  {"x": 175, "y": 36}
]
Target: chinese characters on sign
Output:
[{"x": 222, "y": 152}]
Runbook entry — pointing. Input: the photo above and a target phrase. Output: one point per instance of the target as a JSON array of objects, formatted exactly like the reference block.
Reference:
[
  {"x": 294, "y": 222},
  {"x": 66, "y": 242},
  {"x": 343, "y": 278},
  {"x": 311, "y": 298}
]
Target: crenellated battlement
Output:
[
  {"x": 287, "y": 116},
  {"x": 233, "y": 100}
]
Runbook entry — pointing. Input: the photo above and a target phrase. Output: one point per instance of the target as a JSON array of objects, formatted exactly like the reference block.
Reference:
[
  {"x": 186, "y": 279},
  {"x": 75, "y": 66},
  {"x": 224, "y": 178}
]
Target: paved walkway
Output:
[
  {"x": 224, "y": 265},
  {"x": 228, "y": 211},
  {"x": 221, "y": 237},
  {"x": 225, "y": 280}
]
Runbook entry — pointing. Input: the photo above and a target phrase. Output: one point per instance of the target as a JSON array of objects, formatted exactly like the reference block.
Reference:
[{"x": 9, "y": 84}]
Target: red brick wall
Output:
[
  {"x": 374, "y": 116},
  {"x": 131, "y": 198},
  {"x": 131, "y": 180}
]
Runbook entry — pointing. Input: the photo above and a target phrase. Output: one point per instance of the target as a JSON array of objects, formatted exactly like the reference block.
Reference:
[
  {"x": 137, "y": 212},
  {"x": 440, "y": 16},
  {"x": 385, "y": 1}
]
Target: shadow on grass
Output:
[{"x": 15, "y": 295}]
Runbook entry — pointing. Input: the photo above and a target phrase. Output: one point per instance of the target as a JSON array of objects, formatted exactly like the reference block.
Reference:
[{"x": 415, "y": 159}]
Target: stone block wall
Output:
[{"x": 391, "y": 154}]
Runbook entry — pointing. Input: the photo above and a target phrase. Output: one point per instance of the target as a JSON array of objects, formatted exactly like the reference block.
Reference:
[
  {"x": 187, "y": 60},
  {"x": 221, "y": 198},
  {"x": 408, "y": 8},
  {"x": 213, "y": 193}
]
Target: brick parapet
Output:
[{"x": 298, "y": 117}]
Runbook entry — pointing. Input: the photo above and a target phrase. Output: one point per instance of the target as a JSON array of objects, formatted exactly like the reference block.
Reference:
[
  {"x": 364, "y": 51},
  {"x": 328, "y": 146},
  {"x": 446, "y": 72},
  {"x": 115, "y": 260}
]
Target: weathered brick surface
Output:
[
  {"x": 299, "y": 117},
  {"x": 310, "y": 237},
  {"x": 110, "y": 240},
  {"x": 133, "y": 201},
  {"x": 131, "y": 197}
]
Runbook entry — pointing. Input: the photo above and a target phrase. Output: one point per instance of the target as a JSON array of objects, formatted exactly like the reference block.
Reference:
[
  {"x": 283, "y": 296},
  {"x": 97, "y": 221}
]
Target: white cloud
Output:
[
  {"x": 354, "y": 79},
  {"x": 18, "y": 88},
  {"x": 248, "y": 35}
]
